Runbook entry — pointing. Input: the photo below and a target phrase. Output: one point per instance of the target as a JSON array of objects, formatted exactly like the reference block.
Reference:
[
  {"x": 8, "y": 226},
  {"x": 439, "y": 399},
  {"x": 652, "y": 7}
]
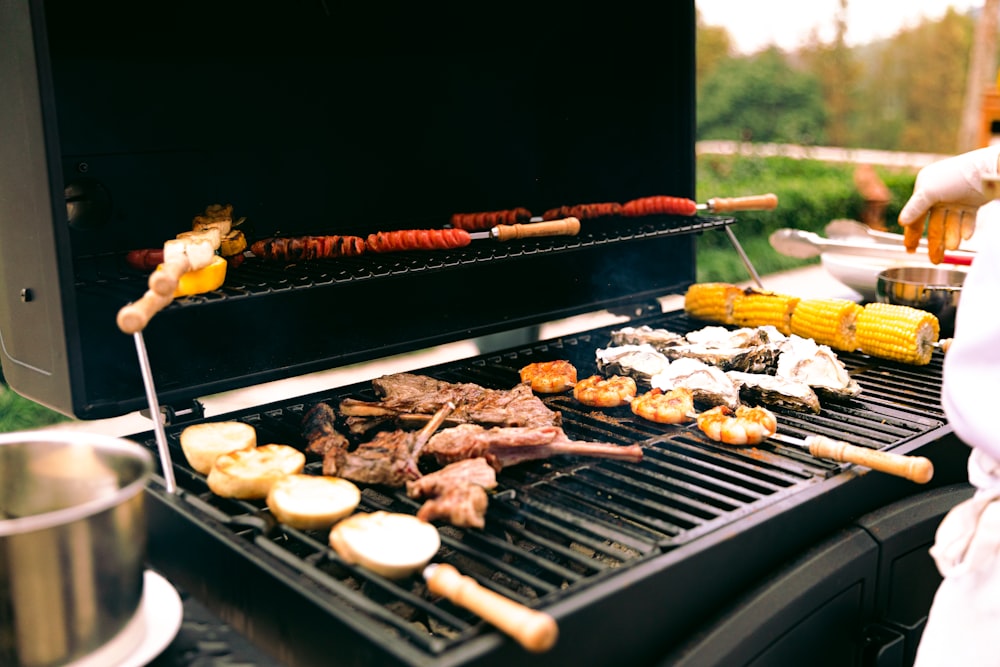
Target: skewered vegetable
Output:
[
  {"x": 898, "y": 333},
  {"x": 828, "y": 322},
  {"x": 758, "y": 308},
  {"x": 712, "y": 302},
  {"x": 202, "y": 280}
]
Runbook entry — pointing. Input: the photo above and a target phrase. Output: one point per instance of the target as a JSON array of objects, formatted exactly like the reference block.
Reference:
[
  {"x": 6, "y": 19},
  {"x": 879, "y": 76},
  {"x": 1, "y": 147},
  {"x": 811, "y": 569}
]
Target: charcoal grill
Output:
[{"x": 346, "y": 120}]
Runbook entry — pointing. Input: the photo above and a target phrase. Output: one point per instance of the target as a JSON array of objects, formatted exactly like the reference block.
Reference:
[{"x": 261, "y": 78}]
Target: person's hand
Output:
[{"x": 946, "y": 196}]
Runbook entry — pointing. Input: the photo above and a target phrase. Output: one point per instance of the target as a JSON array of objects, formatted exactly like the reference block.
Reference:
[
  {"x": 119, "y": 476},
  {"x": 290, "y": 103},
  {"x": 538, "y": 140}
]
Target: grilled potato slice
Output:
[
  {"x": 312, "y": 502},
  {"x": 249, "y": 474},
  {"x": 203, "y": 443},
  {"x": 392, "y": 544}
]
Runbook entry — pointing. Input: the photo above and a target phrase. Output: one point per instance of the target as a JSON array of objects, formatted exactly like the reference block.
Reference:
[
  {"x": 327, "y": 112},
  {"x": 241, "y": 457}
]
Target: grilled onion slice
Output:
[
  {"x": 312, "y": 502},
  {"x": 392, "y": 544}
]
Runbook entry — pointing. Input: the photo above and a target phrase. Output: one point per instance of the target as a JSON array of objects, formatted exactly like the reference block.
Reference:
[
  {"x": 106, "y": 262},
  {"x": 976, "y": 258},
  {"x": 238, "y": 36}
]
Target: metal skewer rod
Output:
[
  {"x": 743, "y": 256},
  {"x": 154, "y": 409}
]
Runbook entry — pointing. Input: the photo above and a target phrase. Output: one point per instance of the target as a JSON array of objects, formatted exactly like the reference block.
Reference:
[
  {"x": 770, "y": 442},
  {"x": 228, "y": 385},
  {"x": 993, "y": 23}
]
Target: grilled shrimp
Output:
[
  {"x": 672, "y": 407},
  {"x": 549, "y": 377},
  {"x": 605, "y": 393},
  {"x": 747, "y": 426}
]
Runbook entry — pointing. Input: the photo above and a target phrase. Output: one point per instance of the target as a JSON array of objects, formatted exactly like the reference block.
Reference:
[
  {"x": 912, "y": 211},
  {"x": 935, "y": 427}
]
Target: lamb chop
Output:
[
  {"x": 456, "y": 492},
  {"x": 390, "y": 458},
  {"x": 410, "y": 399},
  {"x": 505, "y": 446},
  {"x": 319, "y": 429}
]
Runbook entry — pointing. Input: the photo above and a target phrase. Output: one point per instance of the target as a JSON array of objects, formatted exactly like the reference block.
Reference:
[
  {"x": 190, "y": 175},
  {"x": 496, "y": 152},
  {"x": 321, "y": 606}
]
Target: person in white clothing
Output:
[{"x": 963, "y": 626}]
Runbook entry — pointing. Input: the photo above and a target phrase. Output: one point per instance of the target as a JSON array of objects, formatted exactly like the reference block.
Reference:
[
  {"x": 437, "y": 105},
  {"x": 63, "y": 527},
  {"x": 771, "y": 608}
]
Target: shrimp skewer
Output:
[
  {"x": 673, "y": 407},
  {"x": 746, "y": 426},
  {"x": 549, "y": 377},
  {"x": 605, "y": 393}
]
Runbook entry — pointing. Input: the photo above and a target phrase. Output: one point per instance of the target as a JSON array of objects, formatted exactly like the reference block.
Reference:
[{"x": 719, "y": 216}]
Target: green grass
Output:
[{"x": 18, "y": 413}]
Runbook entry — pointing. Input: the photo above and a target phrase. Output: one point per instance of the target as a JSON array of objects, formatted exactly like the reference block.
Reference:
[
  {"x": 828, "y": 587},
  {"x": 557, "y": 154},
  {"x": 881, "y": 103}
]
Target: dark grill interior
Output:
[{"x": 557, "y": 529}]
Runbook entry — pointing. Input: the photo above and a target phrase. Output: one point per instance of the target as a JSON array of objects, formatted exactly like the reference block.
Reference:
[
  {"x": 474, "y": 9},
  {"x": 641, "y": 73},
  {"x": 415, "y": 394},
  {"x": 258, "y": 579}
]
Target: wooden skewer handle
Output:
[
  {"x": 133, "y": 317},
  {"x": 564, "y": 227},
  {"x": 535, "y": 631},
  {"x": 164, "y": 279},
  {"x": 914, "y": 468},
  {"x": 749, "y": 203}
]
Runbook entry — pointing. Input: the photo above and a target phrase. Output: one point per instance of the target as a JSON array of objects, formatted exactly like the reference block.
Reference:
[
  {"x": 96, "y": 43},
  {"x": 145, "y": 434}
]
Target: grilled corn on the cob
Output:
[
  {"x": 827, "y": 321},
  {"x": 898, "y": 333},
  {"x": 758, "y": 308},
  {"x": 712, "y": 301}
]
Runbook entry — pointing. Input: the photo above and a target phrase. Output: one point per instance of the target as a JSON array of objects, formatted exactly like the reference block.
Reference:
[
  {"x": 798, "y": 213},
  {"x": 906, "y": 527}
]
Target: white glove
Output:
[{"x": 954, "y": 180}]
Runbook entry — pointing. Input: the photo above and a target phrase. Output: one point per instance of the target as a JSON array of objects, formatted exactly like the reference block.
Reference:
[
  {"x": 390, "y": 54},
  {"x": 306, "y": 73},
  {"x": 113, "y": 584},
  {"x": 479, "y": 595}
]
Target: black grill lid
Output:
[{"x": 320, "y": 118}]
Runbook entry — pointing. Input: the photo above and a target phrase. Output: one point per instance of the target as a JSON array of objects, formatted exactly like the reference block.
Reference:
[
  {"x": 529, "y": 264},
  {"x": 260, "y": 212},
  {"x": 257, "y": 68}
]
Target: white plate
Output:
[{"x": 150, "y": 631}]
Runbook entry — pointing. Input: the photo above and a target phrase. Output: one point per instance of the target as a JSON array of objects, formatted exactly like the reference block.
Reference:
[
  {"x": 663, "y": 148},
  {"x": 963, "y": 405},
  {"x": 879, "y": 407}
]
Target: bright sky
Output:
[{"x": 757, "y": 24}]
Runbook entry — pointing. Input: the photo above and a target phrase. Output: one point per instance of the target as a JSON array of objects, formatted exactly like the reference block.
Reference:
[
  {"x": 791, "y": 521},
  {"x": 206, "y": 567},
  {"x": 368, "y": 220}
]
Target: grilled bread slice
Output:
[
  {"x": 312, "y": 502},
  {"x": 249, "y": 474},
  {"x": 203, "y": 443}
]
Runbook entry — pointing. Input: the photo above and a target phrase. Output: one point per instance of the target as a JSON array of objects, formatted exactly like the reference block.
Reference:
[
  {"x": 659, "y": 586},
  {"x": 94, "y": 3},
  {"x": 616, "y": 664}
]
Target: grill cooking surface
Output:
[{"x": 556, "y": 527}]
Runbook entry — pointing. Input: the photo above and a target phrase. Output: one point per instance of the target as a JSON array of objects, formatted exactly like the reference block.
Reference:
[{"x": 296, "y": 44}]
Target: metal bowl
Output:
[
  {"x": 934, "y": 289},
  {"x": 72, "y": 545}
]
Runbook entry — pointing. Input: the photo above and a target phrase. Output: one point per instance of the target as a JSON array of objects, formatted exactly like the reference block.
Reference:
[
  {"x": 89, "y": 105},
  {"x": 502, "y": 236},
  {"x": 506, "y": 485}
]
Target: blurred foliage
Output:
[
  {"x": 810, "y": 193},
  {"x": 902, "y": 93},
  {"x": 761, "y": 98}
]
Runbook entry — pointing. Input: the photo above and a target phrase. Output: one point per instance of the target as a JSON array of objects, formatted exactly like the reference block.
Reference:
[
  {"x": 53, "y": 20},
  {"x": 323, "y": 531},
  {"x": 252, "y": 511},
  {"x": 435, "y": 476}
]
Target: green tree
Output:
[
  {"x": 913, "y": 89},
  {"x": 835, "y": 67},
  {"x": 761, "y": 98},
  {"x": 713, "y": 45}
]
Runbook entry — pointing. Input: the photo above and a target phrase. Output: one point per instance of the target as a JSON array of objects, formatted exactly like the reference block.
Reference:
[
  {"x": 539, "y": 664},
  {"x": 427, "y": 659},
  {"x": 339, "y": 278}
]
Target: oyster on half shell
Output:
[
  {"x": 640, "y": 362},
  {"x": 758, "y": 388},
  {"x": 708, "y": 384},
  {"x": 817, "y": 365}
]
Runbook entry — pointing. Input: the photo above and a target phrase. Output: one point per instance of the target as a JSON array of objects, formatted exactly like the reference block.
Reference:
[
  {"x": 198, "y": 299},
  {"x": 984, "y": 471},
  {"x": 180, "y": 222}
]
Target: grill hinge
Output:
[{"x": 173, "y": 415}]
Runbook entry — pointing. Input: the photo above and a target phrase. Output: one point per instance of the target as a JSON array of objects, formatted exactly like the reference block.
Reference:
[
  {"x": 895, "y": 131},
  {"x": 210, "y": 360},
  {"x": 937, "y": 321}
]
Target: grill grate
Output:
[
  {"x": 558, "y": 526},
  {"x": 108, "y": 274}
]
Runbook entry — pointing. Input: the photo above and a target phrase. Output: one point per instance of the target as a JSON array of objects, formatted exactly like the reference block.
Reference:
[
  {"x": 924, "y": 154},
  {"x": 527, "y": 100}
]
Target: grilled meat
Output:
[
  {"x": 386, "y": 460},
  {"x": 505, "y": 446},
  {"x": 456, "y": 492},
  {"x": 390, "y": 458},
  {"x": 463, "y": 506},
  {"x": 485, "y": 220},
  {"x": 417, "y": 239},
  {"x": 411, "y": 399},
  {"x": 319, "y": 429},
  {"x": 476, "y": 471}
]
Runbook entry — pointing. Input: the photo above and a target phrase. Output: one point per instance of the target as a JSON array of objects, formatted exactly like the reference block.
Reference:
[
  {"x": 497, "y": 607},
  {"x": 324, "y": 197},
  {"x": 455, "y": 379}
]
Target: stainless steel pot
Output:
[
  {"x": 934, "y": 289},
  {"x": 72, "y": 545}
]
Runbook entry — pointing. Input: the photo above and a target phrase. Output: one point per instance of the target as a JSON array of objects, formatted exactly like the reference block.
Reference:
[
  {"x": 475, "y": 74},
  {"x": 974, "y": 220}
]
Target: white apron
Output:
[{"x": 963, "y": 627}]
